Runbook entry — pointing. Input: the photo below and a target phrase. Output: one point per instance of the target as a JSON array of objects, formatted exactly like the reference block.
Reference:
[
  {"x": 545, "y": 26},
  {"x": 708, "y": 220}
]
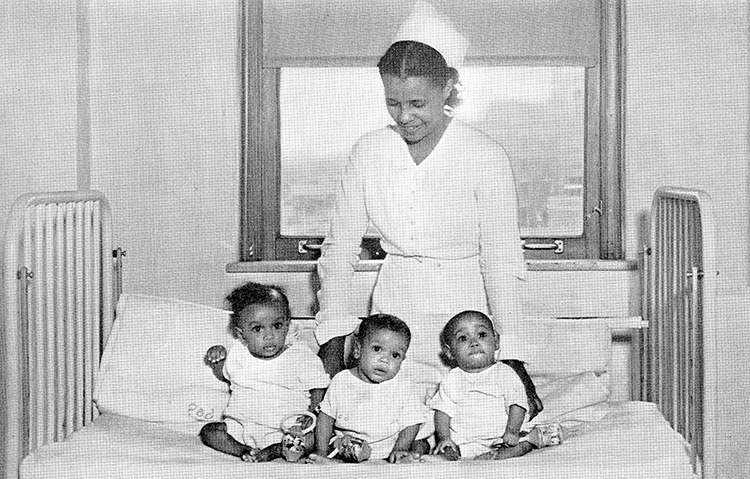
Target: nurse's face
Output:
[{"x": 416, "y": 105}]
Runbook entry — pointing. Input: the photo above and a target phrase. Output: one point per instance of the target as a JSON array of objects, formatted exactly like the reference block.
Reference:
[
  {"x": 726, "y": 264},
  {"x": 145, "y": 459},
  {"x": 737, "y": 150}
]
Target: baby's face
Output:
[
  {"x": 473, "y": 344},
  {"x": 380, "y": 355},
  {"x": 264, "y": 327}
]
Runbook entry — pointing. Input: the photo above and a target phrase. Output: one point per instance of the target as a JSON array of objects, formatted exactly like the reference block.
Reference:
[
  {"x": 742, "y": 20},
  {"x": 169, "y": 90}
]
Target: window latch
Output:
[
  {"x": 557, "y": 246},
  {"x": 305, "y": 246}
]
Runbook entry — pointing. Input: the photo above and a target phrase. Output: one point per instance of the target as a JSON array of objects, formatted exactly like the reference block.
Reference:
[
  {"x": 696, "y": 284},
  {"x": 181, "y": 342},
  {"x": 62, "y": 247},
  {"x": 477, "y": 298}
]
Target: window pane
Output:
[{"x": 536, "y": 113}]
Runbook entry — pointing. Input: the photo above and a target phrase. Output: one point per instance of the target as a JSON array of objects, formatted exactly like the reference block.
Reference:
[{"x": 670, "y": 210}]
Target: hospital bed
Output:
[{"x": 101, "y": 384}]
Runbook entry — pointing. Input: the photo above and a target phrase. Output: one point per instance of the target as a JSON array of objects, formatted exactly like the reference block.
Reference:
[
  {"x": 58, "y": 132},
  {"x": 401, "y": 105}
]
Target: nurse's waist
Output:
[{"x": 446, "y": 257}]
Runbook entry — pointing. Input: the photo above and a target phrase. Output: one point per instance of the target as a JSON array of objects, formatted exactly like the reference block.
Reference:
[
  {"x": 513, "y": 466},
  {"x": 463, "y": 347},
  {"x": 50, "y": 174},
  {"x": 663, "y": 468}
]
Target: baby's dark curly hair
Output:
[
  {"x": 383, "y": 322},
  {"x": 254, "y": 293}
]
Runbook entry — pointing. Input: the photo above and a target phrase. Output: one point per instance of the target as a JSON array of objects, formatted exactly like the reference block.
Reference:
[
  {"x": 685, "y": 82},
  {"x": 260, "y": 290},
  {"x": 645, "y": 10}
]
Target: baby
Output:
[
  {"x": 370, "y": 401},
  {"x": 269, "y": 379},
  {"x": 480, "y": 405}
]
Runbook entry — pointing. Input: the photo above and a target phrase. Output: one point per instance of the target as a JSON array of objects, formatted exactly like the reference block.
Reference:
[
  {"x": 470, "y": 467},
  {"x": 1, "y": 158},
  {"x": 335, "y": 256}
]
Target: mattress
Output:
[{"x": 632, "y": 440}]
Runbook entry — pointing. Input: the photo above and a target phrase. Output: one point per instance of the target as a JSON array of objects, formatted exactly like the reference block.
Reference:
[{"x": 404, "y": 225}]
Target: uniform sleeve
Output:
[
  {"x": 501, "y": 256},
  {"x": 311, "y": 372},
  {"x": 340, "y": 252}
]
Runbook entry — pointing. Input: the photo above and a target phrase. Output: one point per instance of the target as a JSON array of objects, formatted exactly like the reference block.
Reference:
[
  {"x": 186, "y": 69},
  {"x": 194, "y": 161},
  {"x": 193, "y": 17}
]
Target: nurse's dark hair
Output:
[
  {"x": 449, "y": 330},
  {"x": 251, "y": 293},
  {"x": 408, "y": 58},
  {"x": 382, "y": 322}
]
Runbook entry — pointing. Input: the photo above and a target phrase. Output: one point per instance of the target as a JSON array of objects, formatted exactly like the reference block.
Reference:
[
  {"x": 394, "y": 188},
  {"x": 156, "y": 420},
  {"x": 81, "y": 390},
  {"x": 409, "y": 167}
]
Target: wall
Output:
[
  {"x": 38, "y": 98},
  {"x": 687, "y": 114},
  {"x": 687, "y": 125},
  {"x": 165, "y": 139},
  {"x": 732, "y": 420}
]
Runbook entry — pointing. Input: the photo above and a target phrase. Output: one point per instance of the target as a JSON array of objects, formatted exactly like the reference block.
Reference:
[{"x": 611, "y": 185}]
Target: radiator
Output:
[
  {"x": 58, "y": 292},
  {"x": 679, "y": 372}
]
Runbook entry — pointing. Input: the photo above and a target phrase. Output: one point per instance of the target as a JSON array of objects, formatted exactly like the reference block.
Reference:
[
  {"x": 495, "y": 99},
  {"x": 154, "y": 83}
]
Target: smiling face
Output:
[
  {"x": 379, "y": 355},
  {"x": 473, "y": 343},
  {"x": 416, "y": 105},
  {"x": 263, "y": 327}
]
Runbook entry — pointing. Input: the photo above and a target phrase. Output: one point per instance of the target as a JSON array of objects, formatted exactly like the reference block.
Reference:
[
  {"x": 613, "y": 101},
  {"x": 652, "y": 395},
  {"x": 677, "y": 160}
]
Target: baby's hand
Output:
[
  {"x": 535, "y": 404},
  {"x": 215, "y": 354},
  {"x": 509, "y": 439},
  {"x": 250, "y": 455}
]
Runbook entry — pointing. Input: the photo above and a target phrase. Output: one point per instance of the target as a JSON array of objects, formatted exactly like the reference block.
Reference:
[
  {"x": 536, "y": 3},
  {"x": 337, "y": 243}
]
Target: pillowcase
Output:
[
  {"x": 578, "y": 398},
  {"x": 568, "y": 360},
  {"x": 557, "y": 348},
  {"x": 153, "y": 365}
]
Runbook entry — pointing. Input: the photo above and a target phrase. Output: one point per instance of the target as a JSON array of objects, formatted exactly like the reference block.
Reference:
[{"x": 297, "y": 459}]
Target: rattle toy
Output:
[
  {"x": 296, "y": 441},
  {"x": 543, "y": 435},
  {"x": 350, "y": 449}
]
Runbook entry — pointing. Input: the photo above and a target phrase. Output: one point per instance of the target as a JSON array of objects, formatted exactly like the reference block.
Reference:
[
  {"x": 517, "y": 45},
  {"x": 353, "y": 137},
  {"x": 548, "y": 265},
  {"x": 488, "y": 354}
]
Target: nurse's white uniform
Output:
[{"x": 449, "y": 226}]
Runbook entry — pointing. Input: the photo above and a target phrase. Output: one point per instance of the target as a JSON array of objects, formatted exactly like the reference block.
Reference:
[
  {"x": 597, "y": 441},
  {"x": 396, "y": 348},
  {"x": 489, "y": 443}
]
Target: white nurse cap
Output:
[{"x": 426, "y": 25}]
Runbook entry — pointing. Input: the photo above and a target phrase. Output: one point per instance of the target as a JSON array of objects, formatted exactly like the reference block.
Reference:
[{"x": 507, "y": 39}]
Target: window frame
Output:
[{"x": 260, "y": 165}]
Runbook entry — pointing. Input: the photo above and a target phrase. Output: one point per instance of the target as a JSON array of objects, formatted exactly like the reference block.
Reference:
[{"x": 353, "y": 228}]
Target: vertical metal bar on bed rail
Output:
[
  {"x": 39, "y": 343},
  {"x": 92, "y": 287},
  {"x": 70, "y": 350},
  {"x": 682, "y": 302},
  {"x": 693, "y": 437},
  {"x": 79, "y": 318},
  {"x": 60, "y": 323},
  {"x": 664, "y": 337},
  {"x": 24, "y": 276},
  {"x": 640, "y": 376},
  {"x": 87, "y": 316},
  {"x": 48, "y": 306}
]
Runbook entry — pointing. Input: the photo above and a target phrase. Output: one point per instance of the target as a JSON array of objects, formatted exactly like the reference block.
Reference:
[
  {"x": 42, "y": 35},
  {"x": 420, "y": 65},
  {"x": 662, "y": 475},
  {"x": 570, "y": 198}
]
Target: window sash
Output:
[{"x": 305, "y": 33}]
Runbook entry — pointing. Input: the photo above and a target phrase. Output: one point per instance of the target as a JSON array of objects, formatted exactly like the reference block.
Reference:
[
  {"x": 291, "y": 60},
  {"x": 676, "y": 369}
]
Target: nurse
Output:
[{"x": 442, "y": 196}]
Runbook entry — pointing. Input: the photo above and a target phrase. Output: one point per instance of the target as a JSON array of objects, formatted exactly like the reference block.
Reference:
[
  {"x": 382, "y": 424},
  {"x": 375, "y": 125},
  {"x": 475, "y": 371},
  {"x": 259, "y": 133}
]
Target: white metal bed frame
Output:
[
  {"x": 60, "y": 286},
  {"x": 58, "y": 298},
  {"x": 679, "y": 365}
]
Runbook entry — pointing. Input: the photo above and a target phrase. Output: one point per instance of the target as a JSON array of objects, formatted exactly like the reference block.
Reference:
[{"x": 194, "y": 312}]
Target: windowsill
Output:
[{"x": 374, "y": 265}]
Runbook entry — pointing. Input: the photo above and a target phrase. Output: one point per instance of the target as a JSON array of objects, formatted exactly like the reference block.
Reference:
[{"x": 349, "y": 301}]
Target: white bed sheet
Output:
[{"x": 633, "y": 440}]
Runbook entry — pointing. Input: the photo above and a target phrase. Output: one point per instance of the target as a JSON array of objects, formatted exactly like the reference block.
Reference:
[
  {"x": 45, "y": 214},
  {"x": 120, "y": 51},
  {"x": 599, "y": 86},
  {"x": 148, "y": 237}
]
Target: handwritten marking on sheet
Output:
[{"x": 198, "y": 413}]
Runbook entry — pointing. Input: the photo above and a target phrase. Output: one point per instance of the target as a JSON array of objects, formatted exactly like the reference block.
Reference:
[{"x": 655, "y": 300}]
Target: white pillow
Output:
[
  {"x": 579, "y": 398},
  {"x": 556, "y": 348},
  {"x": 153, "y": 364}
]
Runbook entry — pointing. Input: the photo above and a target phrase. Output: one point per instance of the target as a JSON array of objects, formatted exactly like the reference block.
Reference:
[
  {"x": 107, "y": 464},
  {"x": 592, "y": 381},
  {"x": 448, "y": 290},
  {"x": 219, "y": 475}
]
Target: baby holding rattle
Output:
[
  {"x": 374, "y": 412},
  {"x": 270, "y": 380},
  {"x": 480, "y": 405}
]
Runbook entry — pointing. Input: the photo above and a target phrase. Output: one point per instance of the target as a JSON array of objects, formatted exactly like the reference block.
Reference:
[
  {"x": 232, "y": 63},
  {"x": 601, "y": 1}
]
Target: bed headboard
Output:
[
  {"x": 58, "y": 300},
  {"x": 680, "y": 370}
]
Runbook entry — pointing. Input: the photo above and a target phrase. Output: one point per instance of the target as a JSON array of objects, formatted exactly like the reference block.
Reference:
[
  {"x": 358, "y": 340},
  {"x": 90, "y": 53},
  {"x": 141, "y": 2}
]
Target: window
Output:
[{"x": 558, "y": 119}]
